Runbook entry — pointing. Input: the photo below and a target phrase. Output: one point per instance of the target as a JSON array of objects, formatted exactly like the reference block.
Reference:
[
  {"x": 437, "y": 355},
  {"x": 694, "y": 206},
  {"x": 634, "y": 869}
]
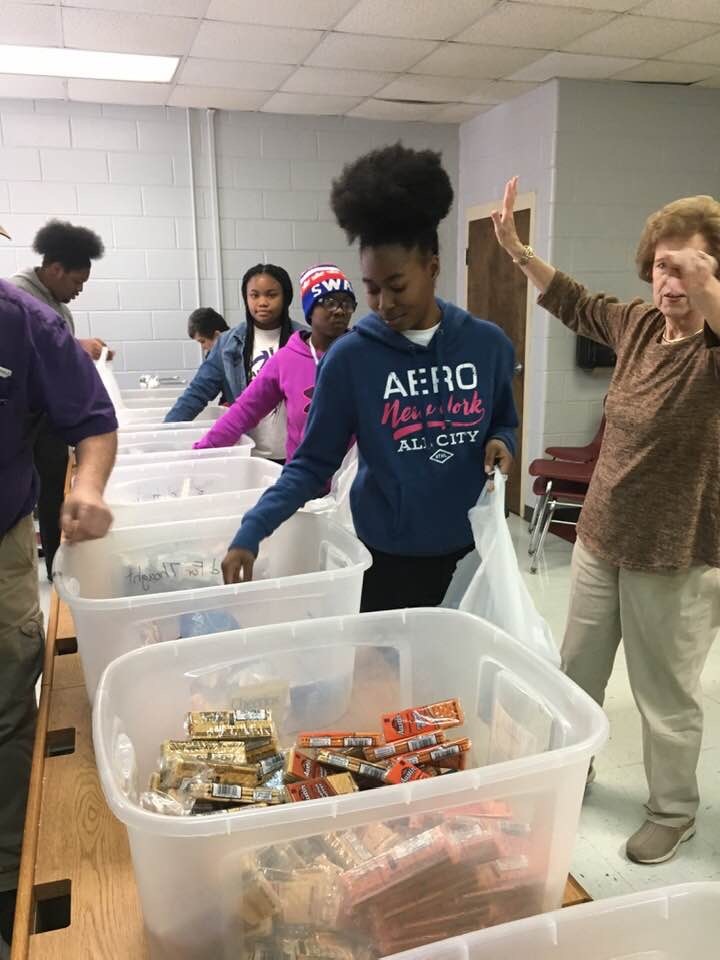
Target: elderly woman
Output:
[{"x": 646, "y": 562}]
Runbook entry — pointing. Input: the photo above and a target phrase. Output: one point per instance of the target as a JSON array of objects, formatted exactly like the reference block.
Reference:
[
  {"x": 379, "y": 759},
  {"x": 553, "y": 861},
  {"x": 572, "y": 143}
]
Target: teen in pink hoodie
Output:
[{"x": 289, "y": 375}]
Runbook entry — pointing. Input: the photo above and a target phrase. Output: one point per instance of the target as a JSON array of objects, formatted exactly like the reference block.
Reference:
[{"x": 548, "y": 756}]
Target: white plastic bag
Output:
[
  {"x": 488, "y": 583},
  {"x": 337, "y": 502},
  {"x": 107, "y": 376}
]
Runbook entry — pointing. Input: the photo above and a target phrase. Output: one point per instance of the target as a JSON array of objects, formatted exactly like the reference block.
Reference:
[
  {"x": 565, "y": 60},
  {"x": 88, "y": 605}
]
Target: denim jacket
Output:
[{"x": 222, "y": 371}]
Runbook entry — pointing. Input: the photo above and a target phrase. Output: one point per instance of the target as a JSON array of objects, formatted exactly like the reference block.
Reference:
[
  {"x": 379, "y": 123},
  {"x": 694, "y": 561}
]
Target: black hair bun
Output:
[{"x": 392, "y": 195}]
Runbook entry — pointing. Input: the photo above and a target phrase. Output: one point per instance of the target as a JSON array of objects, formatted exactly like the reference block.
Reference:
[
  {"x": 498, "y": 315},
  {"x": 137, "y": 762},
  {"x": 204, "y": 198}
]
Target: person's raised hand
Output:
[
  {"x": 237, "y": 566},
  {"x": 504, "y": 220},
  {"x": 695, "y": 268}
]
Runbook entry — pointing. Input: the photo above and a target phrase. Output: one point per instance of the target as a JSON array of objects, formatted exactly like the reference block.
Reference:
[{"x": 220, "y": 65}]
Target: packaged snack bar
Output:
[
  {"x": 332, "y": 786},
  {"x": 218, "y": 751},
  {"x": 418, "y": 720},
  {"x": 335, "y": 739},
  {"x": 407, "y": 745},
  {"x": 222, "y": 725},
  {"x": 402, "y": 771},
  {"x": 360, "y": 767},
  {"x": 301, "y": 766}
]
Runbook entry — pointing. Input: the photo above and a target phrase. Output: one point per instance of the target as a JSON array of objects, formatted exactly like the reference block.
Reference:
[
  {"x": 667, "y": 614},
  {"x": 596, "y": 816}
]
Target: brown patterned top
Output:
[{"x": 654, "y": 500}]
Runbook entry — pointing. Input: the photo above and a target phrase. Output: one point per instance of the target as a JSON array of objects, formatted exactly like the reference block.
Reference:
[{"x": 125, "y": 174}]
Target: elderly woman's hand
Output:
[
  {"x": 504, "y": 221},
  {"x": 697, "y": 270}
]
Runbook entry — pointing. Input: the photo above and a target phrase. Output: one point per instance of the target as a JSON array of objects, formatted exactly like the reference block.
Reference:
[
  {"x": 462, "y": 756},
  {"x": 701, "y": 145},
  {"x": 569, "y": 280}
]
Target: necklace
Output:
[{"x": 666, "y": 339}]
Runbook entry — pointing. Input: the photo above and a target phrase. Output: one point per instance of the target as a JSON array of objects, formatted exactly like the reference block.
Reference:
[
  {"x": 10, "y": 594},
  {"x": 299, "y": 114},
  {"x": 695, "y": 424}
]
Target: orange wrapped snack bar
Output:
[
  {"x": 320, "y": 787},
  {"x": 338, "y": 739},
  {"x": 387, "y": 751},
  {"x": 417, "y": 720}
]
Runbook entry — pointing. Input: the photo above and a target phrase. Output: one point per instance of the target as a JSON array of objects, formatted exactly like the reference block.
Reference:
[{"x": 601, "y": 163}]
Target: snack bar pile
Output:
[
  {"x": 232, "y": 759},
  {"x": 362, "y": 893},
  {"x": 388, "y": 886}
]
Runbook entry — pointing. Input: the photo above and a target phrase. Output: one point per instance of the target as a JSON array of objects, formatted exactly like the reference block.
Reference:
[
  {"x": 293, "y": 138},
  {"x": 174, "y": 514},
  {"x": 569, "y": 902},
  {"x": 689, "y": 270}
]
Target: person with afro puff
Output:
[{"x": 425, "y": 387}]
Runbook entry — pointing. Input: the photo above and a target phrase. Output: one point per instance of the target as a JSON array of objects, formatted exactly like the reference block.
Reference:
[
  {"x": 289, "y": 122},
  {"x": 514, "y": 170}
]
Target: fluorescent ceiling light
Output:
[{"x": 86, "y": 64}]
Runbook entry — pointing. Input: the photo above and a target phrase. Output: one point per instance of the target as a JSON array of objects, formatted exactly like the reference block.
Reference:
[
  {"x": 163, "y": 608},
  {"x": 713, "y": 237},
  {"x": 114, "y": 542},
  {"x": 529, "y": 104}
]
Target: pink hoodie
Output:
[{"x": 289, "y": 375}]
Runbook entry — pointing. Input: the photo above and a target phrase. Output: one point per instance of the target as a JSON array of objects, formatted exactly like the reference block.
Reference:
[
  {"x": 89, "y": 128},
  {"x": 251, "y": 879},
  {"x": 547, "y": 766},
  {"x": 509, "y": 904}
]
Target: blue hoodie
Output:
[{"x": 422, "y": 417}]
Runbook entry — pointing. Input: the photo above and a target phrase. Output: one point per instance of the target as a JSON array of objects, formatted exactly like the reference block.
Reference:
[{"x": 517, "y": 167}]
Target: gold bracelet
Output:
[{"x": 526, "y": 256}]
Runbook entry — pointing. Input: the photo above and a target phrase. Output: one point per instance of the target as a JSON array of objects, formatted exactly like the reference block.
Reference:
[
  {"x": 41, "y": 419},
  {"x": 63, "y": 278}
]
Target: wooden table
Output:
[{"x": 73, "y": 846}]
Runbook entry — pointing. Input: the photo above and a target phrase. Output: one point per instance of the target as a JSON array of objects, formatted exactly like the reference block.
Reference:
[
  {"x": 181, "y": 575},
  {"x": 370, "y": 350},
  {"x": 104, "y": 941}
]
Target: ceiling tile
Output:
[
  {"x": 459, "y": 112},
  {"x": 434, "y": 89},
  {"x": 167, "y": 8},
  {"x": 704, "y": 51},
  {"x": 32, "y": 88},
  {"x": 422, "y": 19},
  {"x": 309, "y": 103},
  {"x": 358, "y": 52},
  {"x": 116, "y": 91},
  {"x": 233, "y": 74},
  {"x": 527, "y": 25},
  {"x": 576, "y": 66},
  {"x": 216, "y": 97},
  {"x": 224, "y": 41},
  {"x": 470, "y": 60},
  {"x": 663, "y": 71},
  {"x": 30, "y": 25},
  {"x": 386, "y": 110},
  {"x": 108, "y": 30},
  {"x": 707, "y": 11},
  {"x": 351, "y": 83},
  {"x": 614, "y": 6},
  {"x": 498, "y": 91},
  {"x": 640, "y": 37},
  {"x": 321, "y": 14}
]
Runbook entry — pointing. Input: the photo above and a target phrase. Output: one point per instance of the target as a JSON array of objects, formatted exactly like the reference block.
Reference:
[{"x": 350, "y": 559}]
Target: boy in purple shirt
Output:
[{"x": 44, "y": 373}]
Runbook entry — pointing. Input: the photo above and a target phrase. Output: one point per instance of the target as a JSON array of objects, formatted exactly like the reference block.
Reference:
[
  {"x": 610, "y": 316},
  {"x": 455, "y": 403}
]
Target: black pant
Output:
[
  {"x": 51, "y": 460},
  {"x": 394, "y": 582}
]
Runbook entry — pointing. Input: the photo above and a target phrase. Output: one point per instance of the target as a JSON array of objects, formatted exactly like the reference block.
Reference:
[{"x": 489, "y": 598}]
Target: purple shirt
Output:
[{"x": 43, "y": 370}]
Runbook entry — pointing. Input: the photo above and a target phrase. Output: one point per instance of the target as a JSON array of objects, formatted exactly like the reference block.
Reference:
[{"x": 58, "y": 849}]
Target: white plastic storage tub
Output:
[
  {"x": 176, "y": 442},
  {"x": 533, "y": 733},
  {"x": 169, "y": 394},
  {"x": 141, "y": 585},
  {"x": 162, "y": 427},
  {"x": 670, "y": 923},
  {"x": 128, "y": 417},
  {"x": 159, "y": 492}
]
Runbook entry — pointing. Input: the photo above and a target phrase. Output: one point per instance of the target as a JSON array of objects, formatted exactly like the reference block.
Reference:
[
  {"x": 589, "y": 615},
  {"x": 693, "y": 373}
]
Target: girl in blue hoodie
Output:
[{"x": 425, "y": 388}]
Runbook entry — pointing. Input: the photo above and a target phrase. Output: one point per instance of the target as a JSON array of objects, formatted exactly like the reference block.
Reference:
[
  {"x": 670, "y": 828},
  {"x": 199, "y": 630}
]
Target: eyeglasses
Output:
[{"x": 332, "y": 304}]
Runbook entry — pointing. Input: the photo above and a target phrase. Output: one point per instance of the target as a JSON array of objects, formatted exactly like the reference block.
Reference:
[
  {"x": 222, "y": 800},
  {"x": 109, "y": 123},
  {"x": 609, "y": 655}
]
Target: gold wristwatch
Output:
[{"x": 526, "y": 256}]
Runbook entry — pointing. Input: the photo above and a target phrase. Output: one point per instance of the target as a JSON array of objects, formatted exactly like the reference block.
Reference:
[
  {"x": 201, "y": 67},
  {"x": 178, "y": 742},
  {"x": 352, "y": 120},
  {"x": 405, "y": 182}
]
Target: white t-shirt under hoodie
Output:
[{"x": 271, "y": 433}]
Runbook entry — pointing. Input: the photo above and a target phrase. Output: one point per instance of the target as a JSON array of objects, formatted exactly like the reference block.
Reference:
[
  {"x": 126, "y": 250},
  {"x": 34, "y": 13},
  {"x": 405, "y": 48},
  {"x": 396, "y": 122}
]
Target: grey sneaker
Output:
[{"x": 656, "y": 842}]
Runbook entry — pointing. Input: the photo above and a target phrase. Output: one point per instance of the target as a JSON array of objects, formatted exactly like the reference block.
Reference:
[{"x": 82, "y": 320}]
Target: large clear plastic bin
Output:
[
  {"x": 162, "y": 492},
  {"x": 143, "y": 442},
  {"x": 533, "y": 734},
  {"x": 670, "y": 923},
  {"x": 146, "y": 584},
  {"x": 128, "y": 417}
]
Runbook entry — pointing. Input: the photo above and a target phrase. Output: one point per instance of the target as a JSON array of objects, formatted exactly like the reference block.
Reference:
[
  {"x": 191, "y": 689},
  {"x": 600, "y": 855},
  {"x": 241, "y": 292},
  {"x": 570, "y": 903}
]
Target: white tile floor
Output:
[{"x": 613, "y": 806}]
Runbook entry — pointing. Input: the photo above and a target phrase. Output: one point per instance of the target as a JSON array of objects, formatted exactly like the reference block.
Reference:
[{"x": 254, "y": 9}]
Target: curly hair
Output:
[
  {"x": 393, "y": 195},
  {"x": 205, "y": 321},
  {"x": 681, "y": 218},
  {"x": 283, "y": 278},
  {"x": 70, "y": 246}
]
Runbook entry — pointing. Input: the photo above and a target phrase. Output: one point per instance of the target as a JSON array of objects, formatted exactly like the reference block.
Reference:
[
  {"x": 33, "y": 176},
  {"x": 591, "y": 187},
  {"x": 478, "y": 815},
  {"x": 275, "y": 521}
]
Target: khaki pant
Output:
[
  {"x": 21, "y": 653},
  {"x": 667, "y": 622}
]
